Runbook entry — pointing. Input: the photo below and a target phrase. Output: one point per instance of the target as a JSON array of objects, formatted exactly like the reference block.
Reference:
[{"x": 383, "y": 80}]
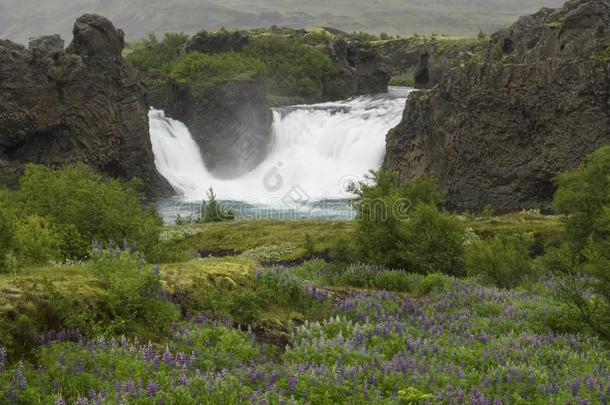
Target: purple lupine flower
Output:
[
  {"x": 575, "y": 387},
  {"x": 292, "y": 383},
  {"x": 151, "y": 389},
  {"x": 60, "y": 401},
  {"x": 167, "y": 357},
  {"x": 82, "y": 401},
  {"x": 3, "y": 357},
  {"x": 20, "y": 379}
]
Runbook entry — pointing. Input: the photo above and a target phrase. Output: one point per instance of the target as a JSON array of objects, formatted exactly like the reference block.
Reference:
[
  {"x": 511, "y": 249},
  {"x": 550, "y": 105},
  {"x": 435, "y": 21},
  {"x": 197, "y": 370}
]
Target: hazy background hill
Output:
[{"x": 21, "y": 19}]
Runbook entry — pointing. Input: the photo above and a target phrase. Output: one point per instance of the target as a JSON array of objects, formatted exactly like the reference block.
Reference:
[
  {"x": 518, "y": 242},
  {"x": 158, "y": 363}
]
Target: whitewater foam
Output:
[{"x": 317, "y": 151}]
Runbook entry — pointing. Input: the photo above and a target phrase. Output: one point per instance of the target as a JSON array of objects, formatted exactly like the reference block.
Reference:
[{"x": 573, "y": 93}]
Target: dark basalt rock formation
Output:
[
  {"x": 231, "y": 123},
  {"x": 83, "y": 104},
  {"x": 497, "y": 132},
  {"x": 427, "y": 58},
  {"x": 218, "y": 42},
  {"x": 363, "y": 73}
]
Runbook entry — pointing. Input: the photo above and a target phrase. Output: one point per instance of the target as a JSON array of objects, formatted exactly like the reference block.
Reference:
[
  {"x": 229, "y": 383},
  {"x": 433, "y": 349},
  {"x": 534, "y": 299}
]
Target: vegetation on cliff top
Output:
[{"x": 292, "y": 68}]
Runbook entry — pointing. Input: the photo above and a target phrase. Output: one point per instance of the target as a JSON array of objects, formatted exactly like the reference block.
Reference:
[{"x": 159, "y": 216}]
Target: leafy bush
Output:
[
  {"x": 203, "y": 72},
  {"x": 292, "y": 68},
  {"x": 6, "y": 237},
  {"x": 432, "y": 241},
  {"x": 153, "y": 56},
  {"x": 502, "y": 260},
  {"x": 87, "y": 207},
  {"x": 399, "y": 226},
  {"x": 135, "y": 299},
  {"x": 213, "y": 211},
  {"x": 37, "y": 241},
  {"x": 583, "y": 196}
]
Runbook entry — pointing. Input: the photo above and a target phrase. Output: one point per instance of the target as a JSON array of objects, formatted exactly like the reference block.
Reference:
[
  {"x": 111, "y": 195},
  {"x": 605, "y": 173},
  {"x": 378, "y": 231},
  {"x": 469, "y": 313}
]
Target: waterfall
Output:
[{"x": 317, "y": 151}]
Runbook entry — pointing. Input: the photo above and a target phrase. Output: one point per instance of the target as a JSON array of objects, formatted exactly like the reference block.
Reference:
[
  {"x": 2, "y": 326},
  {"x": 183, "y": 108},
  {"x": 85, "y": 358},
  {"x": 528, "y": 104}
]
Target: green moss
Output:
[{"x": 403, "y": 79}]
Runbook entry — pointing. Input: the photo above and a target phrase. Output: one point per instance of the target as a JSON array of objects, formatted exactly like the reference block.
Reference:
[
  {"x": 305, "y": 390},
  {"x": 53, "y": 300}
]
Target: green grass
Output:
[
  {"x": 242, "y": 236},
  {"x": 403, "y": 79}
]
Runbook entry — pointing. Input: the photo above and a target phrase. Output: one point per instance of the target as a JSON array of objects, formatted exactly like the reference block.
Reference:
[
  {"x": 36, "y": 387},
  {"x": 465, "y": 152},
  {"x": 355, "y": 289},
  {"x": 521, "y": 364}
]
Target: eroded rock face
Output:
[
  {"x": 498, "y": 132},
  {"x": 363, "y": 73},
  {"x": 428, "y": 59},
  {"x": 219, "y": 42},
  {"x": 83, "y": 104}
]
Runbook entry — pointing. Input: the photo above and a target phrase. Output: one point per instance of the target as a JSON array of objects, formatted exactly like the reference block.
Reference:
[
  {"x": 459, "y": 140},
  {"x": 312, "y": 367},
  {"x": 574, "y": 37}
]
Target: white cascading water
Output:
[{"x": 317, "y": 150}]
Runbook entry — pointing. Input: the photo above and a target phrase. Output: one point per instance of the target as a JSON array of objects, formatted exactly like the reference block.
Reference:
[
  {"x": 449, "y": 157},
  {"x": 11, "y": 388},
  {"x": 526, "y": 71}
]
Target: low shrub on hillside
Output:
[
  {"x": 502, "y": 260},
  {"x": 6, "y": 238},
  {"x": 400, "y": 226}
]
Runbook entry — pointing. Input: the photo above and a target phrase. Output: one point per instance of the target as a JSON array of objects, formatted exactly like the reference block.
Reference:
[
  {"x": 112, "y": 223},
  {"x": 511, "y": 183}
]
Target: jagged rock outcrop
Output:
[
  {"x": 363, "y": 73},
  {"x": 498, "y": 132},
  {"x": 218, "y": 42},
  {"x": 83, "y": 104}
]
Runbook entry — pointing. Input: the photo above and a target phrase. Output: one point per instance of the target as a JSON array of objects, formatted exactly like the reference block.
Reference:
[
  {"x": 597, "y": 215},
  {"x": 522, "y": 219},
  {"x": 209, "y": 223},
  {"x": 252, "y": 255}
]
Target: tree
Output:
[
  {"x": 399, "y": 225},
  {"x": 583, "y": 262}
]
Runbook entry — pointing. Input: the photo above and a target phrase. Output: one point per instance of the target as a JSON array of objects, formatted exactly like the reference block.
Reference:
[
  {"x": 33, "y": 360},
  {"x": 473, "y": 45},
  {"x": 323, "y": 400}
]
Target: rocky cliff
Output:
[
  {"x": 363, "y": 73},
  {"x": 497, "y": 132},
  {"x": 427, "y": 58},
  {"x": 82, "y": 104}
]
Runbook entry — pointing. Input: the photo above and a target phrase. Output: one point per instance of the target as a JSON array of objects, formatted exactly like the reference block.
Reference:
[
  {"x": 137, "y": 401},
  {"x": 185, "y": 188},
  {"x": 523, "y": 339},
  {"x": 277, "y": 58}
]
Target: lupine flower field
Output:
[{"x": 460, "y": 344}]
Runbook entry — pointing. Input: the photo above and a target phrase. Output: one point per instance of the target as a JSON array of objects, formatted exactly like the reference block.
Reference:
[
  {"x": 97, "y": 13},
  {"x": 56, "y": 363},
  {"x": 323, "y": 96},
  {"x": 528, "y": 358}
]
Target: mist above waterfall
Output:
[{"x": 317, "y": 151}]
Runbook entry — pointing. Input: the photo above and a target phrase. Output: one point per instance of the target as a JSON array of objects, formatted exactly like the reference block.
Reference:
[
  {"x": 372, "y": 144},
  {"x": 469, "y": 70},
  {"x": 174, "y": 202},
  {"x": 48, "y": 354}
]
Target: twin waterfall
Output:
[{"x": 317, "y": 151}]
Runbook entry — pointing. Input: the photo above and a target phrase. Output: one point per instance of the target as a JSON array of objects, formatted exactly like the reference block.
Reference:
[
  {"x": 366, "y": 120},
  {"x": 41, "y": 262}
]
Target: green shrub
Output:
[
  {"x": 213, "y": 211},
  {"x": 432, "y": 241},
  {"x": 135, "y": 299},
  {"x": 153, "y": 56},
  {"x": 293, "y": 68},
  {"x": 6, "y": 238},
  {"x": 583, "y": 196},
  {"x": 37, "y": 241},
  {"x": 202, "y": 72},
  {"x": 434, "y": 282},
  {"x": 502, "y": 260},
  {"x": 399, "y": 225},
  {"x": 382, "y": 205},
  {"x": 87, "y": 207}
]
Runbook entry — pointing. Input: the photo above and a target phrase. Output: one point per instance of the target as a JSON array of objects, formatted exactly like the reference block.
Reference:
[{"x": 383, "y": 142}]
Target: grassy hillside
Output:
[{"x": 20, "y": 20}]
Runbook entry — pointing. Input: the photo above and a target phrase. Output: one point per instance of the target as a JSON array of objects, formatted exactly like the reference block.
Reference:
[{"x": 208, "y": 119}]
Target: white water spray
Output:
[{"x": 317, "y": 151}]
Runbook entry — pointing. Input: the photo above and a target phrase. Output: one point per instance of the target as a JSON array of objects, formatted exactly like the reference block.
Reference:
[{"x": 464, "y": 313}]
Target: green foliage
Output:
[
  {"x": 399, "y": 225},
  {"x": 432, "y": 241},
  {"x": 202, "y": 72},
  {"x": 6, "y": 238},
  {"x": 213, "y": 211},
  {"x": 153, "y": 56},
  {"x": 406, "y": 79},
  {"x": 37, "y": 241},
  {"x": 364, "y": 36},
  {"x": 270, "y": 253},
  {"x": 583, "y": 195},
  {"x": 135, "y": 298},
  {"x": 502, "y": 260},
  {"x": 87, "y": 207},
  {"x": 293, "y": 68}
]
